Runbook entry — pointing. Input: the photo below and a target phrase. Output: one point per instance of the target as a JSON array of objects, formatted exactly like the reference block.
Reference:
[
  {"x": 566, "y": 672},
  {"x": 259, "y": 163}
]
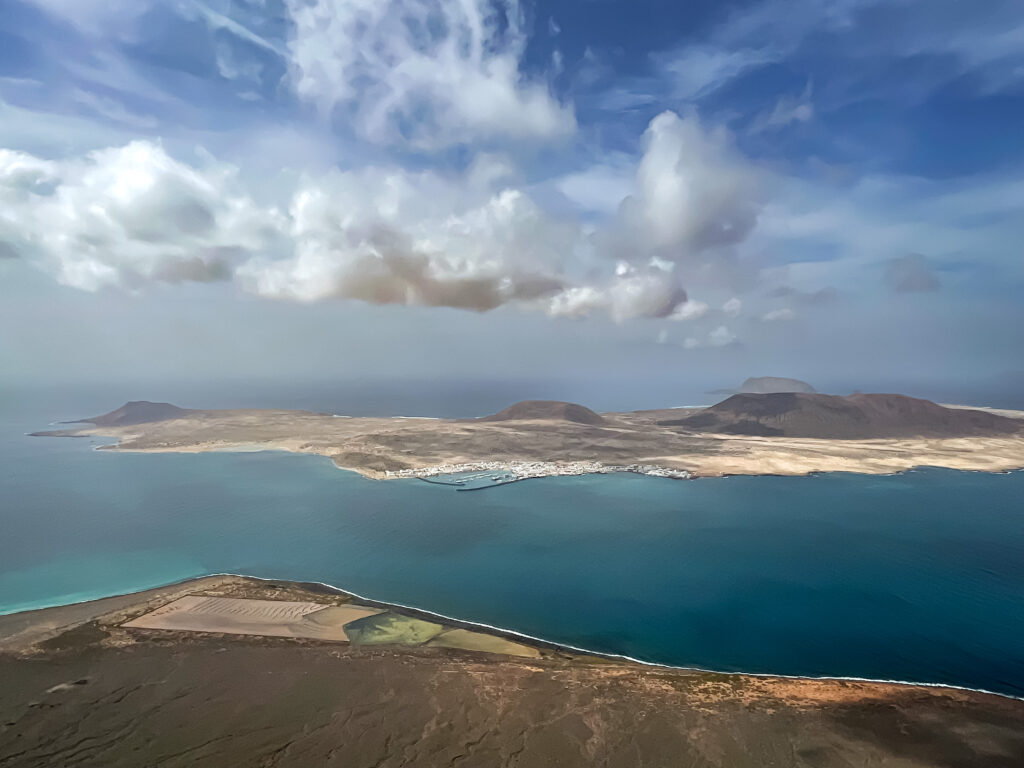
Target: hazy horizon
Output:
[{"x": 444, "y": 397}]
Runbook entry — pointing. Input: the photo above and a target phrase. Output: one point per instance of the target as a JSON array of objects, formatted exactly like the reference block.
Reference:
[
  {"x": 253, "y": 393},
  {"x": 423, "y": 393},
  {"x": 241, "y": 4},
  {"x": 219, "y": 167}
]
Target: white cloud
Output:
[
  {"x": 95, "y": 17},
  {"x": 691, "y": 310},
  {"x": 719, "y": 337},
  {"x": 832, "y": 232},
  {"x": 749, "y": 37},
  {"x": 431, "y": 73},
  {"x": 776, "y": 315},
  {"x": 126, "y": 215},
  {"x": 698, "y": 70},
  {"x": 733, "y": 307},
  {"x": 600, "y": 188},
  {"x": 989, "y": 45},
  {"x": 133, "y": 215},
  {"x": 692, "y": 193},
  {"x": 111, "y": 109},
  {"x": 393, "y": 237},
  {"x": 787, "y": 110},
  {"x": 630, "y": 294},
  {"x": 217, "y": 21}
]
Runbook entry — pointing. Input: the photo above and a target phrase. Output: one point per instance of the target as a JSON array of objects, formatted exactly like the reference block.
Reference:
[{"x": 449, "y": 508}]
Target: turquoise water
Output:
[{"x": 914, "y": 577}]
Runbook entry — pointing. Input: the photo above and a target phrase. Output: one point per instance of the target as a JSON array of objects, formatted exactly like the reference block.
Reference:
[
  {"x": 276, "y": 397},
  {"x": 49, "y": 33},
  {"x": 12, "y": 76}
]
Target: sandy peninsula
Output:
[
  {"x": 755, "y": 435},
  {"x": 233, "y": 671}
]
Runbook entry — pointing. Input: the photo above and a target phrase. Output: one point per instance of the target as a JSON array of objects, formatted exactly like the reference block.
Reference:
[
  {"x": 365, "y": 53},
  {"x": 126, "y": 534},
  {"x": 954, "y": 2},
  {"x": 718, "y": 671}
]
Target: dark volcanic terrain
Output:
[
  {"x": 547, "y": 410},
  {"x": 854, "y": 417},
  {"x": 137, "y": 412},
  {"x": 79, "y": 689}
]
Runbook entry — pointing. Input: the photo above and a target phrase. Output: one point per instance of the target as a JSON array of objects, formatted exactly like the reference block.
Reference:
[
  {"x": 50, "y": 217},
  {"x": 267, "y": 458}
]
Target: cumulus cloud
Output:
[
  {"x": 392, "y": 237},
  {"x": 693, "y": 194},
  {"x": 125, "y": 215},
  {"x": 719, "y": 337},
  {"x": 600, "y": 188},
  {"x": 691, "y": 310},
  {"x": 652, "y": 292},
  {"x": 434, "y": 73},
  {"x": 911, "y": 274},
  {"x": 385, "y": 234},
  {"x": 733, "y": 307}
]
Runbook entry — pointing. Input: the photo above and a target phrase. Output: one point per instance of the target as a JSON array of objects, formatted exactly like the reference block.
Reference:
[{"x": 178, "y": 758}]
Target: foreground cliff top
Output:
[{"x": 87, "y": 685}]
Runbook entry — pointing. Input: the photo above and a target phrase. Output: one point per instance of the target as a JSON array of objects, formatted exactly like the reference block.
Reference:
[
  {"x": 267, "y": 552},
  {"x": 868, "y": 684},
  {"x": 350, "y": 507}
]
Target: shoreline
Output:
[
  {"x": 643, "y": 442},
  {"x": 222, "y": 671},
  {"x": 440, "y": 469},
  {"x": 506, "y": 633}
]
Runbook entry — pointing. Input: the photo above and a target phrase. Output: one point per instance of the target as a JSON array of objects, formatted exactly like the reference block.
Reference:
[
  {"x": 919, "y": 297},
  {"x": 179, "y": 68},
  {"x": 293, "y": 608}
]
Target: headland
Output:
[{"x": 227, "y": 670}]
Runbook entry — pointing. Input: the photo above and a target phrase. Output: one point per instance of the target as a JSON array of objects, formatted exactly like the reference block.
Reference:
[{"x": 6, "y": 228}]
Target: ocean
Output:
[{"x": 916, "y": 577}]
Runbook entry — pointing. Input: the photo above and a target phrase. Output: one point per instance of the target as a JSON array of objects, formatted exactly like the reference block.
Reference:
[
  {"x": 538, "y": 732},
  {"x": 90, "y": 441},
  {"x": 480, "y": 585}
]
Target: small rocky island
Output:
[{"x": 768, "y": 385}]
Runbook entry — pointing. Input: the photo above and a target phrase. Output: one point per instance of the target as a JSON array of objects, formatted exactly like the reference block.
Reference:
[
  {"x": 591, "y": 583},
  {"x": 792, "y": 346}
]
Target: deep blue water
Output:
[{"x": 914, "y": 577}]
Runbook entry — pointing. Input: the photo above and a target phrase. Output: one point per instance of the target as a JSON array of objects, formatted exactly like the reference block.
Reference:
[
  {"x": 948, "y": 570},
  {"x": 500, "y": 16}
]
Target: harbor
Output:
[
  {"x": 482, "y": 475},
  {"x": 473, "y": 481}
]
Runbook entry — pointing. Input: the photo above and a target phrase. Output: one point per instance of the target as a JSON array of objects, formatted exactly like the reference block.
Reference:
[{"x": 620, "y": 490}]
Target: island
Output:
[
  {"x": 780, "y": 433},
  {"x": 235, "y": 671},
  {"x": 767, "y": 385}
]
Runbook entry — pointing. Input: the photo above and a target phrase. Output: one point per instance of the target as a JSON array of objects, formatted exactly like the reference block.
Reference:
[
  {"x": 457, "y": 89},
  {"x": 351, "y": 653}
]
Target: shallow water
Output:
[{"x": 915, "y": 577}]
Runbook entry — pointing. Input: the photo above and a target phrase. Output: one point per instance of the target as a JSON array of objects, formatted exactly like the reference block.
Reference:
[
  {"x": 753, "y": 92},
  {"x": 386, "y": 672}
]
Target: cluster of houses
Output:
[{"x": 521, "y": 470}]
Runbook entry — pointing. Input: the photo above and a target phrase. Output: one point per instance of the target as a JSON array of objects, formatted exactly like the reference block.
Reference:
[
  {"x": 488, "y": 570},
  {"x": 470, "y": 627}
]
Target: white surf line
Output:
[{"x": 604, "y": 654}]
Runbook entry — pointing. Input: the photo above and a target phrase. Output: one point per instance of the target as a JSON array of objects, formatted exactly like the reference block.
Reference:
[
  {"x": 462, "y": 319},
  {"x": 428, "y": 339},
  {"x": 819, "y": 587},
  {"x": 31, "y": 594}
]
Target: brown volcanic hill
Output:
[
  {"x": 854, "y": 417},
  {"x": 766, "y": 385},
  {"x": 137, "y": 412},
  {"x": 547, "y": 410}
]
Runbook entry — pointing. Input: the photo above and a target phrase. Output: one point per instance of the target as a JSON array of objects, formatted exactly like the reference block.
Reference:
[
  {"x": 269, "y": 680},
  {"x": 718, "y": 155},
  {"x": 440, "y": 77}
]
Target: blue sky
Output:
[{"x": 700, "y": 190}]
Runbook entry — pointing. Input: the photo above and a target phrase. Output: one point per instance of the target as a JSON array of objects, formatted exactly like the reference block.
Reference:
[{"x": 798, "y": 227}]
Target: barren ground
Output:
[
  {"x": 81, "y": 690},
  {"x": 376, "y": 446}
]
